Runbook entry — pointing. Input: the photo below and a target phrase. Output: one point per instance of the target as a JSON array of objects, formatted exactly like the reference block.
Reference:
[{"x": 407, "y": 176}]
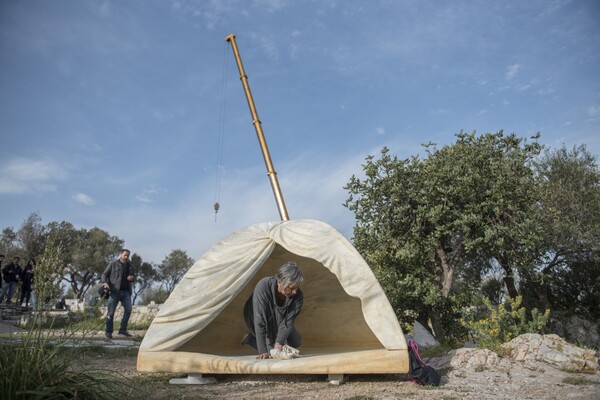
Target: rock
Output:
[
  {"x": 422, "y": 337},
  {"x": 474, "y": 358},
  {"x": 553, "y": 350}
]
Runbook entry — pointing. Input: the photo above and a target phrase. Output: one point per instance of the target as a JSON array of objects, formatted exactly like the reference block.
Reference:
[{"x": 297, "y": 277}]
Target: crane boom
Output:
[{"x": 259, "y": 132}]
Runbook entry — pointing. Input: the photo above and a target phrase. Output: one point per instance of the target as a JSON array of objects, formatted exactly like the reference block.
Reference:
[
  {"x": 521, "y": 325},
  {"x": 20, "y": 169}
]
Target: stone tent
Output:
[{"x": 347, "y": 324}]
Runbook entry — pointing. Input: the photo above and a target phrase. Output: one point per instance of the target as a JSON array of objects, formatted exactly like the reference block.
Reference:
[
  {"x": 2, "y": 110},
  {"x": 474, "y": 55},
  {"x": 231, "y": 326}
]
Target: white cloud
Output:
[
  {"x": 512, "y": 71},
  {"x": 312, "y": 187},
  {"x": 26, "y": 176},
  {"x": 522, "y": 88},
  {"x": 271, "y": 5},
  {"x": 84, "y": 199},
  {"x": 594, "y": 111},
  {"x": 267, "y": 44},
  {"x": 148, "y": 193}
]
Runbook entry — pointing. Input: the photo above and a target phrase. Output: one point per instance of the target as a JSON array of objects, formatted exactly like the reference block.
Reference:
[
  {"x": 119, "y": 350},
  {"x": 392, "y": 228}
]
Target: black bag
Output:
[{"x": 418, "y": 371}]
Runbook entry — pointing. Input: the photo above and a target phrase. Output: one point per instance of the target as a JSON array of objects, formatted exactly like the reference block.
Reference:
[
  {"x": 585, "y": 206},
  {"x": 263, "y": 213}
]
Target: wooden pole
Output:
[{"x": 259, "y": 132}]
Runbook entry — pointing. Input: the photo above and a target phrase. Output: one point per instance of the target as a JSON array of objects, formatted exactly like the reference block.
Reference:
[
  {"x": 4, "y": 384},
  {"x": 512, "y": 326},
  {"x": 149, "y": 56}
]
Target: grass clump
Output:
[
  {"x": 34, "y": 369},
  {"x": 438, "y": 350}
]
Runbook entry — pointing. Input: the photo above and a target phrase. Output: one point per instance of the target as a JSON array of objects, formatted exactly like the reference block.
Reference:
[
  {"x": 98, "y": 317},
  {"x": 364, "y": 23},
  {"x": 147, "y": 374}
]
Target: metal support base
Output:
[
  {"x": 193, "y": 379},
  {"x": 337, "y": 379}
]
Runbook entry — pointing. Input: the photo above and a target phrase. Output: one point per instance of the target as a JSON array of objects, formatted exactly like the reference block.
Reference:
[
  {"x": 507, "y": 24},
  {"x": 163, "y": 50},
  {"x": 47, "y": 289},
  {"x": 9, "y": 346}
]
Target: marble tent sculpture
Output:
[{"x": 347, "y": 324}]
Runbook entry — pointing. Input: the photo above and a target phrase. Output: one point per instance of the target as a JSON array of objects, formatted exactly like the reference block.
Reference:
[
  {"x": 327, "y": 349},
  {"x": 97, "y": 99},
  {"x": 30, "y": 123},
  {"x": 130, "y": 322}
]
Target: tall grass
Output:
[{"x": 38, "y": 365}]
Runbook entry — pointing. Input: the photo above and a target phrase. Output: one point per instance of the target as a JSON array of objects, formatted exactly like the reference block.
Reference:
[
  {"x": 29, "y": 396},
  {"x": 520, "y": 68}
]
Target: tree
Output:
[
  {"x": 423, "y": 223},
  {"x": 173, "y": 267},
  {"x": 157, "y": 294},
  {"x": 8, "y": 242},
  {"x": 95, "y": 249},
  {"x": 32, "y": 236},
  {"x": 145, "y": 274},
  {"x": 84, "y": 253},
  {"x": 569, "y": 212}
]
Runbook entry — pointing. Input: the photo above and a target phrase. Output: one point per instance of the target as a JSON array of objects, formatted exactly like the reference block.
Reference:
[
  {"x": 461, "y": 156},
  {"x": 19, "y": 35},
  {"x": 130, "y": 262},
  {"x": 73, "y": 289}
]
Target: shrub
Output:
[{"x": 499, "y": 324}]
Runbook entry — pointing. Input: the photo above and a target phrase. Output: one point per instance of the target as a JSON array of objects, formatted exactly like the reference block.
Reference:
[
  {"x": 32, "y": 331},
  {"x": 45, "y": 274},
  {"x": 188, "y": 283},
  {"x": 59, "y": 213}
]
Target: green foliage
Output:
[
  {"x": 429, "y": 225},
  {"x": 173, "y": 267},
  {"x": 84, "y": 253},
  {"x": 145, "y": 275},
  {"x": 48, "y": 274},
  {"x": 439, "y": 350},
  {"x": 499, "y": 325},
  {"x": 36, "y": 370},
  {"x": 568, "y": 277},
  {"x": 40, "y": 366},
  {"x": 157, "y": 294},
  {"x": 31, "y": 236},
  {"x": 575, "y": 288}
]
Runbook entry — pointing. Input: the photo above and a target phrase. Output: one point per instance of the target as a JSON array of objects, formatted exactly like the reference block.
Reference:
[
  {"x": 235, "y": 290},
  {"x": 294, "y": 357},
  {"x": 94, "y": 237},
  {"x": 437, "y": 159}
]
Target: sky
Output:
[{"x": 130, "y": 116}]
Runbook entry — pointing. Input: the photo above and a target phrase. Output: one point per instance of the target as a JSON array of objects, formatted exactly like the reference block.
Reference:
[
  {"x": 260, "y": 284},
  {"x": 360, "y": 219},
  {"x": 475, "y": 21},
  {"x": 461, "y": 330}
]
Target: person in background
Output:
[
  {"x": 271, "y": 311},
  {"x": 27, "y": 282},
  {"x": 118, "y": 277},
  {"x": 11, "y": 274},
  {"x": 2, "y": 257}
]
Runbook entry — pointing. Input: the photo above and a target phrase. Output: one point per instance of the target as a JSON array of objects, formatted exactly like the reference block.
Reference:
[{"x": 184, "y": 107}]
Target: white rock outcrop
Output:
[{"x": 553, "y": 350}]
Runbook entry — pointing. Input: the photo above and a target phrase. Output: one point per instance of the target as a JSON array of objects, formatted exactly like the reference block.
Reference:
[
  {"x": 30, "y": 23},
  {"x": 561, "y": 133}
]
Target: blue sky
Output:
[{"x": 111, "y": 112}]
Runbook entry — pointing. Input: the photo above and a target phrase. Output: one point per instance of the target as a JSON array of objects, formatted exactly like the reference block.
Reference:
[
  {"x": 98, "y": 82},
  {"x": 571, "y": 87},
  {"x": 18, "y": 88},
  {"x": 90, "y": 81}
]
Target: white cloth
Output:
[{"x": 224, "y": 270}]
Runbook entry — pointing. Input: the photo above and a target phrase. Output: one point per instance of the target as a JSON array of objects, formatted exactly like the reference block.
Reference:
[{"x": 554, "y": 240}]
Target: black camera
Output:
[{"x": 104, "y": 293}]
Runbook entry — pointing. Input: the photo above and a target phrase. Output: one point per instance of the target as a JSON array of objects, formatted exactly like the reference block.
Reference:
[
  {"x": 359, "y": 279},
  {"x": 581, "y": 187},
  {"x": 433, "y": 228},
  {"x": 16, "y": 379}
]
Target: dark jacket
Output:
[
  {"x": 116, "y": 274},
  {"x": 27, "y": 278},
  {"x": 272, "y": 323},
  {"x": 11, "y": 273}
]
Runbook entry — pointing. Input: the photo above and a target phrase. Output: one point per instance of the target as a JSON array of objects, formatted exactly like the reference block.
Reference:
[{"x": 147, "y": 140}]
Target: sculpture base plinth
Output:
[{"x": 311, "y": 361}]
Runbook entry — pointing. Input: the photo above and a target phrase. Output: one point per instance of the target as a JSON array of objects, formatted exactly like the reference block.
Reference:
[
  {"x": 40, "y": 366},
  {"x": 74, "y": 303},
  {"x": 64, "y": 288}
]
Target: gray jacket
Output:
[
  {"x": 115, "y": 273},
  {"x": 272, "y": 323}
]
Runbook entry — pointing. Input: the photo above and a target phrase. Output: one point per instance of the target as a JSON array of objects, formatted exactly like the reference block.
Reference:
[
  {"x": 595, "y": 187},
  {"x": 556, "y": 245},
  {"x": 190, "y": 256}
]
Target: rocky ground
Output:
[
  {"x": 513, "y": 380},
  {"x": 533, "y": 367},
  {"x": 540, "y": 373}
]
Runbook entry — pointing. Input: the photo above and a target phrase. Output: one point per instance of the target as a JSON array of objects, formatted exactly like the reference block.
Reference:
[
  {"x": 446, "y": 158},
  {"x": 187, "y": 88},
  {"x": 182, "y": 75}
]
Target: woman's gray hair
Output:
[{"x": 289, "y": 274}]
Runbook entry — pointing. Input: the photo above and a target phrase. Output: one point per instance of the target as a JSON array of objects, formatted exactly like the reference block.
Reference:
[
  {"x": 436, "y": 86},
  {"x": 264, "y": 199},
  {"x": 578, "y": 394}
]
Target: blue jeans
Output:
[
  {"x": 10, "y": 287},
  {"x": 125, "y": 298}
]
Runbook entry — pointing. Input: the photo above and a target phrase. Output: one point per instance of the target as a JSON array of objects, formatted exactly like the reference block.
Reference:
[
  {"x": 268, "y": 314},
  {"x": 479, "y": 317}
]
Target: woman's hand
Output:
[{"x": 263, "y": 356}]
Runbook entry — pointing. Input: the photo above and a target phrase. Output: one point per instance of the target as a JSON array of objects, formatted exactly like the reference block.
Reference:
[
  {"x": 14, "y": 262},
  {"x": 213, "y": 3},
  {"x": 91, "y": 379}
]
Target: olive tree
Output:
[
  {"x": 145, "y": 275},
  {"x": 84, "y": 253},
  {"x": 566, "y": 274},
  {"x": 173, "y": 267},
  {"x": 429, "y": 225}
]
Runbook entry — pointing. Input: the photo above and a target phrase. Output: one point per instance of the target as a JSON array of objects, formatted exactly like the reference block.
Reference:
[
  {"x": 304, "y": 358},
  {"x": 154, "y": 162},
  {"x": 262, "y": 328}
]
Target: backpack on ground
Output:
[{"x": 418, "y": 371}]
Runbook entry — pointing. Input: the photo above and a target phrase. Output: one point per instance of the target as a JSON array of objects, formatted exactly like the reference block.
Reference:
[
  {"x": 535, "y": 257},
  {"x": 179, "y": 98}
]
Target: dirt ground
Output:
[{"x": 515, "y": 381}]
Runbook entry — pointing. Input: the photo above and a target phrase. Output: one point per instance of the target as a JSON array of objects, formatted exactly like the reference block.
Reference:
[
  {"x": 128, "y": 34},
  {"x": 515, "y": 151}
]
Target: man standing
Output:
[
  {"x": 118, "y": 277},
  {"x": 11, "y": 273},
  {"x": 271, "y": 311}
]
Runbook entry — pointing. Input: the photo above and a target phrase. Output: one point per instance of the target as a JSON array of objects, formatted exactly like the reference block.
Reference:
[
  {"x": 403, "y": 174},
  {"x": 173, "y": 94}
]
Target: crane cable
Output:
[{"x": 223, "y": 107}]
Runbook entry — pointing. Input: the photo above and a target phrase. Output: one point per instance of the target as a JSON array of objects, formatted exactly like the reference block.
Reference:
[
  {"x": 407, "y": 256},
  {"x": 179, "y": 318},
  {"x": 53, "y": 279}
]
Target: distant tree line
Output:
[
  {"x": 85, "y": 253},
  {"x": 491, "y": 216}
]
